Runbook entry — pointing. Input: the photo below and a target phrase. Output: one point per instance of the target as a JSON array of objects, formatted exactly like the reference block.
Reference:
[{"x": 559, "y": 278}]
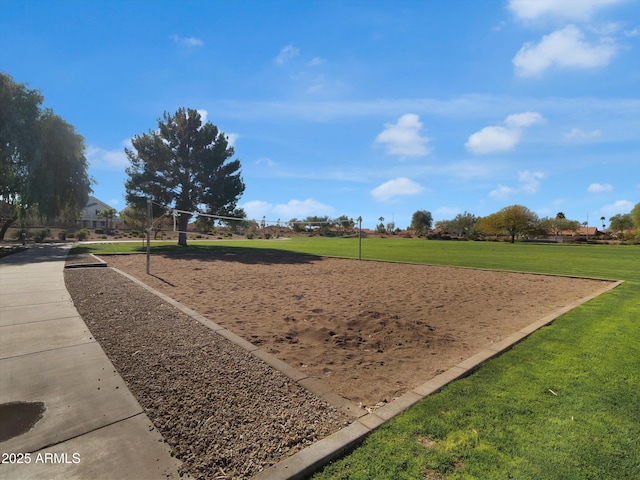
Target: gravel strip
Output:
[{"x": 225, "y": 413}]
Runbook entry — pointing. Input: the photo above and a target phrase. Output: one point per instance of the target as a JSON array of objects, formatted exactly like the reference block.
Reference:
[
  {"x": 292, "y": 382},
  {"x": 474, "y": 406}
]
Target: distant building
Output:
[{"x": 90, "y": 218}]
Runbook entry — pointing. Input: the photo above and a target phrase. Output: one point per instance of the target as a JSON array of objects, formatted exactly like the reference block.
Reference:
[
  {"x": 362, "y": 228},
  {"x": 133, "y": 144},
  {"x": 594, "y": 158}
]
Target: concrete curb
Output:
[{"x": 311, "y": 459}]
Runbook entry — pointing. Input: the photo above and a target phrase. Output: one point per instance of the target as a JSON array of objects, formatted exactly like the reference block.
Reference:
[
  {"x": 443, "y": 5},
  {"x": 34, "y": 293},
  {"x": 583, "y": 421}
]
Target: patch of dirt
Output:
[{"x": 371, "y": 330}]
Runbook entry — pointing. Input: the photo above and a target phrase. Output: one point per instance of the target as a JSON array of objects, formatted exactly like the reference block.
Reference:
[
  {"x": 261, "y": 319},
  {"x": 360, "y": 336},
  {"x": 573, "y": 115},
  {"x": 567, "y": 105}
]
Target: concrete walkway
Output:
[{"x": 64, "y": 410}]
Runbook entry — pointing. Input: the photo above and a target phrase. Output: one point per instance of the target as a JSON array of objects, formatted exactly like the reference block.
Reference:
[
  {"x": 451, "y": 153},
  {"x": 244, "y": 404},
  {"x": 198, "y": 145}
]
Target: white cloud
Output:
[
  {"x": 403, "y": 138},
  {"x": 502, "y": 192},
  {"x": 232, "y": 138},
  {"x": 526, "y": 119},
  {"x": 600, "y": 188},
  {"x": 256, "y": 209},
  {"x": 265, "y": 161},
  {"x": 619, "y": 206},
  {"x": 203, "y": 115},
  {"x": 564, "y": 9},
  {"x": 287, "y": 53},
  {"x": 302, "y": 208},
  {"x": 394, "y": 188},
  {"x": 501, "y": 139},
  {"x": 565, "y": 48},
  {"x": 578, "y": 134},
  {"x": 492, "y": 139},
  {"x": 315, "y": 61},
  {"x": 187, "y": 41},
  {"x": 528, "y": 182},
  {"x": 108, "y": 159}
]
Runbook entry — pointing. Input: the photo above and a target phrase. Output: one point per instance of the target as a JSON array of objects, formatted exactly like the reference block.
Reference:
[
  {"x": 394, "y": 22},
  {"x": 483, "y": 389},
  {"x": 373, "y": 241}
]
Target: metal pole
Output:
[
  {"x": 148, "y": 234},
  {"x": 359, "y": 238}
]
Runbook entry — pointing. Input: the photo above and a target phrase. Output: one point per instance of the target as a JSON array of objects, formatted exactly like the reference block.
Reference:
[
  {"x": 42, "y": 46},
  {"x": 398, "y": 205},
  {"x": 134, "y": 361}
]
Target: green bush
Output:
[
  {"x": 62, "y": 235},
  {"x": 99, "y": 231},
  {"x": 83, "y": 234}
]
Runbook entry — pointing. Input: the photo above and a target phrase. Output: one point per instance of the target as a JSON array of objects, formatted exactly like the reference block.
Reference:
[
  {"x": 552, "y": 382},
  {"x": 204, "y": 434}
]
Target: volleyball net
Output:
[{"x": 204, "y": 223}]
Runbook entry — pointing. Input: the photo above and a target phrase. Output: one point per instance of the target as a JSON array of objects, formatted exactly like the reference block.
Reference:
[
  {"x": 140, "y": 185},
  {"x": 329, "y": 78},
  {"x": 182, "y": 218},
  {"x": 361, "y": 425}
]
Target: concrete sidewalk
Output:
[{"x": 77, "y": 417}]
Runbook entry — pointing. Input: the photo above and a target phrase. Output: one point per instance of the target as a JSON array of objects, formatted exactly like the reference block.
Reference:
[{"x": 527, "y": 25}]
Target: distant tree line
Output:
[{"x": 516, "y": 222}]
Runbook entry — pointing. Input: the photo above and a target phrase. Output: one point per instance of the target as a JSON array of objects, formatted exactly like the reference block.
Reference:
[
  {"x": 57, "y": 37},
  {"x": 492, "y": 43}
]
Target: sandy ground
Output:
[{"x": 371, "y": 330}]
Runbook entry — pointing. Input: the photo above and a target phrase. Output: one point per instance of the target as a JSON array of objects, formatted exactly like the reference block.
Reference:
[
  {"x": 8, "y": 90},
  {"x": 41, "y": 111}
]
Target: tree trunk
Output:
[
  {"x": 183, "y": 222},
  {"x": 6, "y": 226}
]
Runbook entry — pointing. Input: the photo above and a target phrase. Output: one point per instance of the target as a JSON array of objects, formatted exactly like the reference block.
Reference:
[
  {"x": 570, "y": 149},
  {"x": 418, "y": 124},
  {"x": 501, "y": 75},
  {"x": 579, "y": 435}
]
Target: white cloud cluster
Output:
[
  {"x": 403, "y": 138},
  {"x": 103, "y": 159},
  {"x": 528, "y": 182},
  {"x": 394, "y": 188},
  {"x": 577, "y": 134},
  {"x": 565, "y": 48},
  {"x": 286, "y": 54},
  {"x": 256, "y": 209},
  {"x": 564, "y": 9},
  {"x": 187, "y": 41},
  {"x": 619, "y": 206},
  {"x": 600, "y": 188},
  {"x": 502, "y": 138}
]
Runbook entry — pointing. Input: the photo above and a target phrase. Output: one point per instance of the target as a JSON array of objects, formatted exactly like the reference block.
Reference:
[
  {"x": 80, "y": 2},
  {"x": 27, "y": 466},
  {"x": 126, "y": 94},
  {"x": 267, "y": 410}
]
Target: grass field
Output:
[{"x": 563, "y": 404}]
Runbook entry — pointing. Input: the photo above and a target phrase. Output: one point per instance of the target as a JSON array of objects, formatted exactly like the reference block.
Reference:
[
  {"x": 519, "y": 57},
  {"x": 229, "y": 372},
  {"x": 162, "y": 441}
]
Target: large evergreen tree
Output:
[
  {"x": 43, "y": 170},
  {"x": 185, "y": 165}
]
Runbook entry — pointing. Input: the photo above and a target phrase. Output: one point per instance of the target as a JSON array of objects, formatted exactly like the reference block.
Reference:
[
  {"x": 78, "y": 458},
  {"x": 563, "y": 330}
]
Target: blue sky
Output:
[{"x": 371, "y": 108}]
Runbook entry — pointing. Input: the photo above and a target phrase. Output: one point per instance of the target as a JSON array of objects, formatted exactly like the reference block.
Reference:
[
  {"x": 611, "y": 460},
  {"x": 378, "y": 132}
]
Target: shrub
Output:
[
  {"x": 41, "y": 235},
  {"x": 82, "y": 234},
  {"x": 62, "y": 235},
  {"x": 17, "y": 234},
  {"x": 99, "y": 231}
]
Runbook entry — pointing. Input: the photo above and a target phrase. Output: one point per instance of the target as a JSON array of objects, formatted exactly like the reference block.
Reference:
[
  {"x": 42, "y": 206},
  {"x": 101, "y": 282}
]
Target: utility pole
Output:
[
  {"x": 360, "y": 238},
  {"x": 148, "y": 233}
]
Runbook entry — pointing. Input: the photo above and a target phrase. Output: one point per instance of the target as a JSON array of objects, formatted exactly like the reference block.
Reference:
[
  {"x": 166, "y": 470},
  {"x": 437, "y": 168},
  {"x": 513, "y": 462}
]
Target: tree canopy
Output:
[
  {"x": 43, "y": 170},
  {"x": 463, "y": 225},
  {"x": 635, "y": 215},
  {"x": 514, "y": 221},
  {"x": 621, "y": 222},
  {"x": 421, "y": 221},
  {"x": 185, "y": 165}
]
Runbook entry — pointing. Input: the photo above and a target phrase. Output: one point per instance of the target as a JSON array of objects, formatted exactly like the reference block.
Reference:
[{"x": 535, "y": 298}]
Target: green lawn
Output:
[{"x": 563, "y": 404}]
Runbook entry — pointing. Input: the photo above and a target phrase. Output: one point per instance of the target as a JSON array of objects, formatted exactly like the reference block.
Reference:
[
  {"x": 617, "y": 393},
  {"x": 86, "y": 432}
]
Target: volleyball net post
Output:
[{"x": 149, "y": 224}]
